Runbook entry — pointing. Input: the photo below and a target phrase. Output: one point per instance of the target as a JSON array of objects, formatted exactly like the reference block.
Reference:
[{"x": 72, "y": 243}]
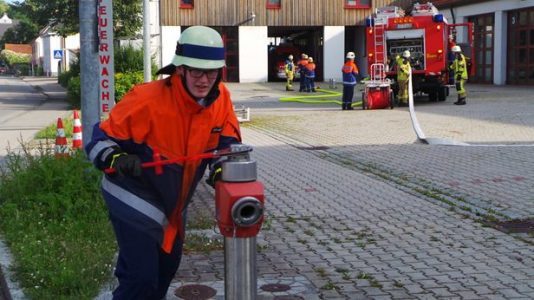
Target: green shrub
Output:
[
  {"x": 13, "y": 58},
  {"x": 39, "y": 71},
  {"x": 74, "y": 70},
  {"x": 55, "y": 223},
  {"x": 128, "y": 72},
  {"x": 74, "y": 92},
  {"x": 125, "y": 81},
  {"x": 129, "y": 59},
  {"x": 21, "y": 69}
]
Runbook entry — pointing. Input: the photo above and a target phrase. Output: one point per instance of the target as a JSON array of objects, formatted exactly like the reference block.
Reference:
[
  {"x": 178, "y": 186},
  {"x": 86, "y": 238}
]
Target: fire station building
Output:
[
  {"x": 260, "y": 34},
  {"x": 503, "y": 38}
]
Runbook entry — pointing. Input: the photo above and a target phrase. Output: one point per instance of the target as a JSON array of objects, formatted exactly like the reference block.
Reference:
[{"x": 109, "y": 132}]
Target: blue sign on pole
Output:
[{"x": 58, "y": 54}]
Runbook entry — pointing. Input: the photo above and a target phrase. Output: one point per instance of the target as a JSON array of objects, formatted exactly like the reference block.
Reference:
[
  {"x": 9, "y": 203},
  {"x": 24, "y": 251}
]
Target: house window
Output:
[
  {"x": 187, "y": 3},
  {"x": 274, "y": 4},
  {"x": 357, "y": 3}
]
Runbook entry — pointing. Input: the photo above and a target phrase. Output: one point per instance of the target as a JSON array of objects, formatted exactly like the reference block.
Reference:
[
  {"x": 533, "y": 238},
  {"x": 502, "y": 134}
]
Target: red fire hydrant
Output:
[{"x": 239, "y": 201}]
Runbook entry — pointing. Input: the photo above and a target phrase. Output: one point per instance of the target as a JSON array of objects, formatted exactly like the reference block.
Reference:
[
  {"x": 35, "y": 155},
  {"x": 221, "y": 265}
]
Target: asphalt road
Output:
[{"x": 26, "y": 106}]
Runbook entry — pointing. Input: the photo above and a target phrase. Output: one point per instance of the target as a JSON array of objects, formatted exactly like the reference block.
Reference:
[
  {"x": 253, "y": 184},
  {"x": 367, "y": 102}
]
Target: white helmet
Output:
[
  {"x": 310, "y": 59},
  {"x": 456, "y": 49},
  {"x": 406, "y": 54},
  {"x": 304, "y": 56},
  {"x": 290, "y": 57},
  {"x": 200, "y": 47},
  {"x": 351, "y": 55}
]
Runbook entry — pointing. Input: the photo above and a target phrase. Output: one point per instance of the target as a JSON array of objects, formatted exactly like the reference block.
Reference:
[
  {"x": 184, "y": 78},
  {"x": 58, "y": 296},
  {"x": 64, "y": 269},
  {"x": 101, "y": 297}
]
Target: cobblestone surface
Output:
[{"x": 375, "y": 215}]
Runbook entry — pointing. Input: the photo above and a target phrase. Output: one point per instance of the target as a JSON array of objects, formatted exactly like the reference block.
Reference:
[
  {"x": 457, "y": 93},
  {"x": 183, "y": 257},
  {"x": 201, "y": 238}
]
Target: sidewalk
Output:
[{"x": 357, "y": 210}]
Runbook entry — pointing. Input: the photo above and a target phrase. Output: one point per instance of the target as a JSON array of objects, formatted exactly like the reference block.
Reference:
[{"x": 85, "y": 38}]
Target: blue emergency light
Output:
[{"x": 438, "y": 18}]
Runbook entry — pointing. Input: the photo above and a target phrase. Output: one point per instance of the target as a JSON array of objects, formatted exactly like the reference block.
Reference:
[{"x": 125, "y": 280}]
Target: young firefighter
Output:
[
  {"x": 186, "y": 114},
  {"x": 350, "y": 74},
  {"x": 309, "y": 71},
  {"x": 301, "y": 65}
]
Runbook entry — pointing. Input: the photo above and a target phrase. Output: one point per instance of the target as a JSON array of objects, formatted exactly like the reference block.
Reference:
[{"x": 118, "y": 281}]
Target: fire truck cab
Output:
[{"x": 426, "y": 34}]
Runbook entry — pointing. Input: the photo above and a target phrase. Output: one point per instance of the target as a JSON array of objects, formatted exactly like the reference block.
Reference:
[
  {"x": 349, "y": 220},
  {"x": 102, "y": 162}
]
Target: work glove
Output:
[
  {"x": 126, "y": 164},
  {"x": 215, "y": 173}
]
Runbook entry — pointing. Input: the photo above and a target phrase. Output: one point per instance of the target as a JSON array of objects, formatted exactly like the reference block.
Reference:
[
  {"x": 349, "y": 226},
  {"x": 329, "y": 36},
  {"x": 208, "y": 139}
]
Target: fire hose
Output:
[{"x": 158, "y": 163}]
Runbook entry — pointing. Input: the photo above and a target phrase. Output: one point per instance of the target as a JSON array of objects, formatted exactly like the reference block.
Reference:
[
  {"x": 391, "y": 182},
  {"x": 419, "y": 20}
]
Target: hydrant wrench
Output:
[{"x": 158, "y": 163}]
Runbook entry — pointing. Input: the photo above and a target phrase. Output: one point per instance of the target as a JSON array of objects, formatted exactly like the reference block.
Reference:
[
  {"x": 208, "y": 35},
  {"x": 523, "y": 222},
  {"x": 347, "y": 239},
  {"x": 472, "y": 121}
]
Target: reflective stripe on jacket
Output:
[
  {"x": 459, "y": 66},
  {"x": 350, "y": 71},
  {"x": 161, "y": 115}
]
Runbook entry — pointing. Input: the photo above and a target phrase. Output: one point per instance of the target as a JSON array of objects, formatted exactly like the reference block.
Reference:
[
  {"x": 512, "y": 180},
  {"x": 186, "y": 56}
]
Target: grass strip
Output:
[{"x": 56, "y": 225}]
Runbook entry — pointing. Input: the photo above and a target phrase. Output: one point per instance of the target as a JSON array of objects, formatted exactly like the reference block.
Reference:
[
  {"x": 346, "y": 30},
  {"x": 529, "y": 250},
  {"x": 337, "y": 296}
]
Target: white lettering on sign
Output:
[{"x": 105, "y": 57}]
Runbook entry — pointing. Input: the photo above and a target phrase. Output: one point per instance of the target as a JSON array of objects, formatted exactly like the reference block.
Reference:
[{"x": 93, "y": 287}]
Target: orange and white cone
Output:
[
  {"x": 77, "y": 132},
  {"x": 61, "y": 148}
]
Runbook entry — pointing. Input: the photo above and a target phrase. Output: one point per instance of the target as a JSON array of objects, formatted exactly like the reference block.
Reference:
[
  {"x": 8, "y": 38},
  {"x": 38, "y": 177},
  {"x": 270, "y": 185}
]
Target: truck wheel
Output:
[
  {"x": 432, "y": 96},
  {"x": 442, "y": 93}
]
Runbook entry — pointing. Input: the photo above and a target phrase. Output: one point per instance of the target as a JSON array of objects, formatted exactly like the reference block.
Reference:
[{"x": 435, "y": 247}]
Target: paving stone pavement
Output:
[{"x": 358, "y": 210}]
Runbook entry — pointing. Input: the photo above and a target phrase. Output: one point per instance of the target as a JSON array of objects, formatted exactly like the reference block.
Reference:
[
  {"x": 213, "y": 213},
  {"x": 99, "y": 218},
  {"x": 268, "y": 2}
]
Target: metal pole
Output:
[
  {"x": 88, "y": 67},
  {"x": 240, "y": 268},
  {"x": 146, "y": 41}
]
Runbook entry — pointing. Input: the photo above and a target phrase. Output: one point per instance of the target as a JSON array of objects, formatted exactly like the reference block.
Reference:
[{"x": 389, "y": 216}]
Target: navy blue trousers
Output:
[
  {"x": 144, "y": 271},
  {"x": 348, "y": 94}
]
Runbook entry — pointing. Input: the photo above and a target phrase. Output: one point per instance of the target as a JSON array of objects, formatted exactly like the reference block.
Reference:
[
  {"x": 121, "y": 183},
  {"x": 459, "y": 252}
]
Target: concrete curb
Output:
[{"x": 10, "y": 289}]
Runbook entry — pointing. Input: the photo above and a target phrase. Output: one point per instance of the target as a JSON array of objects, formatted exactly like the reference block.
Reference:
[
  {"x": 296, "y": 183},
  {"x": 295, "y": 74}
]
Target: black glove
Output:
[
  {"x": 215, "y": 172},
  {"x": 126, "y": 164}
]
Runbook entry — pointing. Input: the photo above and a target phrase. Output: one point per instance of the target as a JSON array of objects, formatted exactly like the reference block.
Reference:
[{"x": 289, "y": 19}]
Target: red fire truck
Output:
[{"x": 427, "y": 35}]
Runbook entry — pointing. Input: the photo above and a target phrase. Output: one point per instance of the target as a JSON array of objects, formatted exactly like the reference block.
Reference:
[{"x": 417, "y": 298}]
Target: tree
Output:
[
  {"x": 3, "y": 7},
  {"x": 23, "y": 33},
  {"x": 63, "y": 15}
]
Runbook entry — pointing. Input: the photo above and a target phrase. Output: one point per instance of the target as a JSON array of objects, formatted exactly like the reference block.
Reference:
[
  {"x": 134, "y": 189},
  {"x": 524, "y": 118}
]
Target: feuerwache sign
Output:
[{"x": 105, "y": 57}]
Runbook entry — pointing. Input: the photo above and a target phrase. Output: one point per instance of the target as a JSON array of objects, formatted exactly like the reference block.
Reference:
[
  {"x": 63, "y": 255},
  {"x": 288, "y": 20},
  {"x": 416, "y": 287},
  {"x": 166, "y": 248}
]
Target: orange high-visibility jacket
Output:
[{"x": 161, "y": 115}]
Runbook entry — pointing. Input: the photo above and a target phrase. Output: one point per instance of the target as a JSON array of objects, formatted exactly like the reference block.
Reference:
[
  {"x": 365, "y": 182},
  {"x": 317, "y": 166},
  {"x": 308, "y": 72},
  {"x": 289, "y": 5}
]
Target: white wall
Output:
[
  {"x": 72, "y": 44},
  {"x": 50, "y": 64},
  {"x": 155, "y": 41},
  {"x": 253, "y": 58},
  {"x": 169, "y": 37},
  {"x": 333, "y": 51}
]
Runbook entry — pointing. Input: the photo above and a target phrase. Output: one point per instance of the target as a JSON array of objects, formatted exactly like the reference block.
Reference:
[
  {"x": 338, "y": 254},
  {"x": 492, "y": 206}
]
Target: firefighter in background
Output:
[
  {"x": 459, "y": 66},
  {"x": 310, "y": 75},
  {"x": 350, "y": 79},
  {"x": 450, "y": 57},
  {"x": 302, "y": 70},
  {"x": 403, "y": 73},
  {"x": 290, "y": 72}
]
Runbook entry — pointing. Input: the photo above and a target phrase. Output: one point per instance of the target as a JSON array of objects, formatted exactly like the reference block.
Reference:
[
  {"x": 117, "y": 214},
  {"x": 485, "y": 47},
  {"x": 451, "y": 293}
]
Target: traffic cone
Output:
[
  {"x": 77, "y": 132},
  {"x": 61, "y": 148}
]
